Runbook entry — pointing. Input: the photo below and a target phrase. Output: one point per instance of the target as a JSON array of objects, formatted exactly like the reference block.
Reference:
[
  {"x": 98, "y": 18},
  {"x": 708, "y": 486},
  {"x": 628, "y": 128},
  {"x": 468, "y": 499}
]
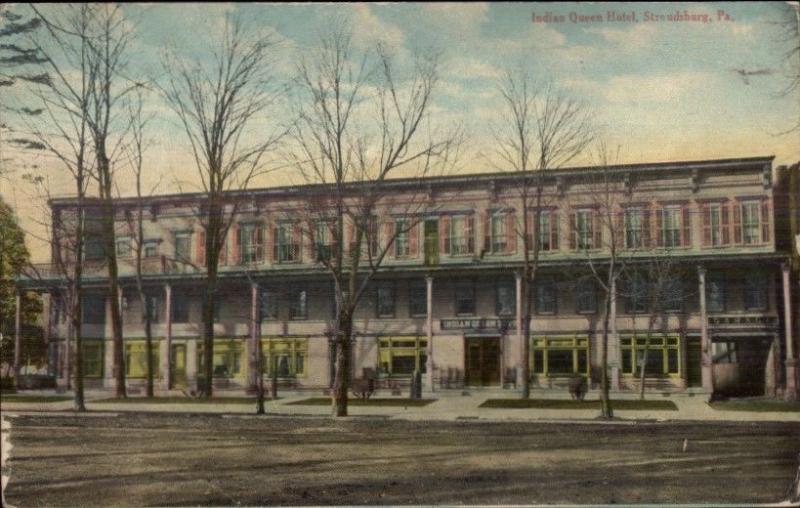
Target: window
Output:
[
  {"x": 93, "y": 358},
  {"x": 584, "y": 229},
  {"x": 499, "y": 232},
  {"x": 755, "y": 291},
  {"x": 506, "y": 302},
  {"x": 322, "y": 241},
  {"x": 725, "y": 352},
  {"x": 123, "y": 247},
  {"x": 750, "y": 223},
  {"x": 252, "y": 242},
  {"x": 136, "y": 359},
  {"x": 714, "y": 220},
  {"x": 671, "y": 226},
  {"x": 638, "y": 294},
  {"x": 634, "y": 228},
  {"x": 151, "y": 307},
  {"x": 671, "y": 297},
  {"x": 217, "y": 308},
  {"x": 285, "y": 357},
  {"x": 715, "y": 293},
  {"x": 150, "y": 248},
  {"x": 93, "y": 308},
  {"x": 401, "y": 356},
  {"x": 287, "y": 243},
  {"x": 401, "y": 239},
  {"x": 586, "y": 296},
  {"x": 298, "y": 308},
  {"x": 417, "y": 298},
  {"x": 183, "y": 246},
  {"x": 545, "y": 296},
  {"x": 548, "y": 230},
  {"x": 180, "y": 307},
  {"x": 560, "y": 355},
  {"x": 93, "y": 248},
  {"x": 461, "y": 235},
  {"x": 269, "y": 304},
  {"x": 228, "y": 358},
  {"x": 662, "y": 351},
  {"x": 385, "y": 301},
  {"x": 465, "y": 298}
]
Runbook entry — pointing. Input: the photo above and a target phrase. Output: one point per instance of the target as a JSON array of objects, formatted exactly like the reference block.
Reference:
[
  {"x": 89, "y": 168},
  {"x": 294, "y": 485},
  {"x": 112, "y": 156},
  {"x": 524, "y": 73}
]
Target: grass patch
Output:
[
  {"x": 35, "y": 398},
  {"x": 756, "y": 405},
  {"x": 621, "y": 405},
  {"x": 178, "y": 400},
  {"x": 325, "y": 401}
]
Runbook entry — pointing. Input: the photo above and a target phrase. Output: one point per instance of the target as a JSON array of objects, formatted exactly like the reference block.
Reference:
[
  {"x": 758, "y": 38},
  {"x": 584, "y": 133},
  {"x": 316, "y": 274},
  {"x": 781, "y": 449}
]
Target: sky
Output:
[{"x": 665, "y": 81}]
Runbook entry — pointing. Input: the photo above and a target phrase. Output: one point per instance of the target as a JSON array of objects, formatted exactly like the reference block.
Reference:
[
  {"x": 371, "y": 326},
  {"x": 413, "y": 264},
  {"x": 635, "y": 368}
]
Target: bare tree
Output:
[
  {"x": 360, "y": 123},
  {"x": 541, "y": 130},
  {"x": 223, "y": 112}
]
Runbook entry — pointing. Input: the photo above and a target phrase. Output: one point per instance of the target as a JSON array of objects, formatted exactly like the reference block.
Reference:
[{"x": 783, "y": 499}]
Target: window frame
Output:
[
  {"x": 294, "y": 305},
  {"x": 755, "y": 283},
  {"x": 539, "y": 358},
  {"x": 177, "y": 310},
  {"x": 285, "y": 249},
  {"x": 716, "y": 278},
  {"x": 268, "y": 299},
  {"x": 91, "y": 315},
  {"x": 505, "y": 284},
  {"x": 290, "y": 347},
  {"x": 671, "y": 230},
  {"x": 749, "y": 204},
  {"x": 381, "y": 288},
  {"x": 498, "y": 235},
  {"x": 390, "y": 347},
  {"x": 464, "y": 285},
  {"x": 585, "y": 286},
  {"x": 541, "y": 284},
  {"x": 187, "y": 237},
  {"x": 421, "y": 288},
  {"x": 633, "y": 345},
  {"x": 589, "y": 213}
]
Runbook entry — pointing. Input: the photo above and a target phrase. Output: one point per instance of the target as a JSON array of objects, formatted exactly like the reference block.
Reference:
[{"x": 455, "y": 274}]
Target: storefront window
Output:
[
  {"x": 662, "y": 352},
  {"x": 401, "y": 356},
  {"x": 286, "y": 357},
  {"x": 136, "y": 359},
  {"x": 560, "y": 355},
  {"x": 93, "y": 359}
]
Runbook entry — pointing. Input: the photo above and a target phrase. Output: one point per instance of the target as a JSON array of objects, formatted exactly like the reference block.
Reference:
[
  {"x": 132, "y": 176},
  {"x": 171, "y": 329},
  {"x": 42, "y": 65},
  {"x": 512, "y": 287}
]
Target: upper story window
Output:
[
  {"x": 548, "y": 230},
  {"x": 151, "y": 308},
  {"x": 635, "y": 228},
  {"x": 465, "y": 298},
  {"x": 385, "y": 301},
  {"x": 93, "y": 309},
  {"x": 94, "y": 248},
  {"x": 402, "y": 246},
  {"x": 298, "y": 306},
  {"x": 269, "y": 304},
  {"x": 638, "y": 294},
  {"x": 671, "y": 226},
  {"x": 323, "y": 245},
  {"x": 180, "y": 307},
  {"x": 183, "y": 245},
  {"x": 499, "y": 232},
  {"x": 417, "y": 298},
  {"x": 506, "y": 302},
  {"x": 751, "y": 225},
  {"x": 545, "y": 295},
  {"x": 671, "y": 297},
  {"x": 584, "y": 229},
  {"x": 287, "y": 242},
  {"x": 586, "y": 296},
  {"x": 716, "y": 224},
  {"x": 461, "y": 236},
  {"x": 251, "y": 240},
  {"x": 715, "y": 293},
  {"x": 755, "y": 291},
  {"x": 123, "y": 246},
  {"x": 150, "y": 248}
]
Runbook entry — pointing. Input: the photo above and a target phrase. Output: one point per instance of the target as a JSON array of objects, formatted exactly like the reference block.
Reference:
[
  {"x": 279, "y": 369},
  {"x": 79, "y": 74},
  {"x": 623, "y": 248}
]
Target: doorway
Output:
[
  {"x": 178, "y": 370},
  {"x": 482, "y": 361},
  {"x": 694, "y": 359}
]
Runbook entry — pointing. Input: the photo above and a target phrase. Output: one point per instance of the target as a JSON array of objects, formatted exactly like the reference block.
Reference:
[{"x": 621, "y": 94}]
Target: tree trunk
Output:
[
  {"x": 605, "y": 403},
  {"x": 526, "y": 337},
  {"x": 642, "y": 375},
  {"x": 80, "y": 402},
  {"x": 148, "y": 335},
  {"x": 208, "y": 342},
  {"x": 259, "y": 379},
  {"x": 341, "y": 383}
]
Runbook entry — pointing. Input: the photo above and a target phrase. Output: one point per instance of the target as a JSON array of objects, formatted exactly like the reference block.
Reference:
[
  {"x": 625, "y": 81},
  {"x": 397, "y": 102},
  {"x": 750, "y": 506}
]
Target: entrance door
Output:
[
  {"x": 694, "y": 358},
  {"x": 431, "y": 242},
  {"x": 482, "y": 361},
  {"x": 178, "y": 366}
]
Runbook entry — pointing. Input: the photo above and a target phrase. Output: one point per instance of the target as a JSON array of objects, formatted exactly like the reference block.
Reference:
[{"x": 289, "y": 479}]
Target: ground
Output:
[{"x": 140, "y": 459}]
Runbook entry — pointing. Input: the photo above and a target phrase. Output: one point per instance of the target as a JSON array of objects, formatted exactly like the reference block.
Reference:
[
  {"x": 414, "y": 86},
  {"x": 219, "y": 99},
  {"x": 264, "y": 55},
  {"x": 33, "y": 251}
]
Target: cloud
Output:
[
  {"x": 664, "y": 88},
  {"x": 466, "y": 18},
  {"x": 369, "y": 28},
  {"x": 473, "y": 68},
  {"x": 639, "y": 36}
]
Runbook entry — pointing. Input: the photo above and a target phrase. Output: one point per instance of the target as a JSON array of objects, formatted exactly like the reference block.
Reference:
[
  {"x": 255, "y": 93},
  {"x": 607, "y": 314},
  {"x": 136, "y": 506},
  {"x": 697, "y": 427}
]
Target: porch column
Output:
[
  {"x": 429, "y": 327},
  {"x": 521, "y": 340},
  {"x": 791, "y": 361},
  {"x": 166, "y": 352},
  {"x": 705, "y": 342},
  {"x": 613, "y": 339},
  {"x": 18, "y": 337},
  {"x": 254, "y": 338}
]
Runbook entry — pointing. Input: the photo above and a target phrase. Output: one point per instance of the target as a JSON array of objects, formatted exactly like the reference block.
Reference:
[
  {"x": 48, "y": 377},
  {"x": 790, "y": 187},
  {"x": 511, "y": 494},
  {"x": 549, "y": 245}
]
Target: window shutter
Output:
[
  {"x": 487, "y": 232},
  {"x": 530, "y": 230},
  {"x": 511, "y": 231},
  {"x": 297, "y": 238},
  {"x": 444, "y": 234},
  {"x": 554, "y": 219},
  {"x": 647, "y": 228},
  {"x": 275, "y": 243},
  {"x": 349, "y": 236},
  {"x": 388, "y": 233},
  {"x": 413, "y": 240},
  {"x": 223, "y": 252},
  {"x": 597, "y": 230},
  {"x": 269, "y": 241},
  {"x": 686, "y": 232},
  {"x": 309, "y": 237},
  {"x": 236, "y": 233},
  {"x": 470, "y": 233},
  {"x": 258, "y": 241},
  {"x": 765, "y": 222},
  {"x": 737, "y": 223},
  {"x": 619, "y": 229},
  {"x": 725, "y": 226},
  {"x": 200, "y": 247},
  {"x": 573, "y": 231},
  {"x": 660, "y": 227},
  {"x": 706, "y": 211}
]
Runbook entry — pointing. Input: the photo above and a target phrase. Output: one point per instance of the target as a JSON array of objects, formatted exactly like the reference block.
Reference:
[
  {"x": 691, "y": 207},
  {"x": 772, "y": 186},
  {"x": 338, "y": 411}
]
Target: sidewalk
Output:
[{"x": 448, "y": 405}]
